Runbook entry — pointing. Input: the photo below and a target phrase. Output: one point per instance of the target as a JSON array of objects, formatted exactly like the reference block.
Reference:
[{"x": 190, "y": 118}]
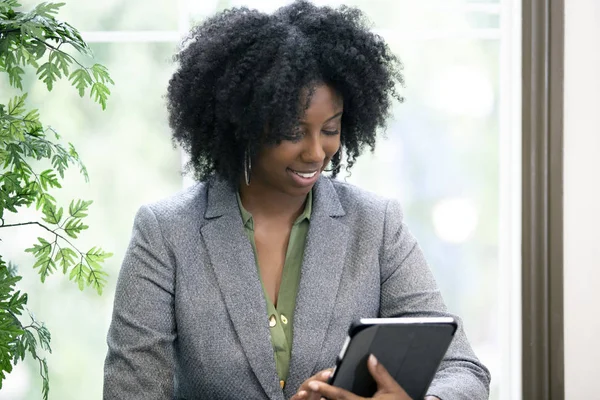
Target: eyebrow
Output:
[{"x": 328, "y": 119}]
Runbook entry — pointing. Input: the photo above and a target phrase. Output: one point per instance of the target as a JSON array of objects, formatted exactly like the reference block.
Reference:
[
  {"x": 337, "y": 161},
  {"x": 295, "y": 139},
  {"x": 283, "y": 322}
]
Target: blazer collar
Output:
[{"x": 222, "y": 200}]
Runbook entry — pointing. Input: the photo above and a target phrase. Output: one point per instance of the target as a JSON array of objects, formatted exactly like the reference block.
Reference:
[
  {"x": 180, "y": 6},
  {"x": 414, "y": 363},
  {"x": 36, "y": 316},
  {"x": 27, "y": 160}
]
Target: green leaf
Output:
[
  {"x": 16, "y": 105},
  {"x": 60, "y": 163},
  {"x": 42, "y": 252},
  {"x": 32, "y": 122},
  {"x": 78, "y": 209},
  {"x": 61, "y": 60},
  {"x": 100, "y": 94},
  {"x": 16, "y": 303},
  {"x": 101, "y": 74},
  {"x": 44, "y": 337},
  {"x": 81, "y": 79},
  {"x": 78, "y": 274},
  {"x": 11, "y": 305},
  {"x": 6, "y": 5},
  {"x": 48, "y": 73},
  {"x": 14, "y": 77},
  {"x": 11, "y": 57},
  {"x": 19, "y": 349},
  {"x": 96, "y": 277},
  {"x": 32, "y": 29},
  {"x": 90, "y": 273},
  {"x": 73, "y": 227},
  {"x": 65, "y": 257},
  {"x": 47, "y": 266},
  {"x": 51, "y": 215},
  {"x": 12, "y": 182},
  {"x": 95, "y": 256},
  {"x": 71, "y": 34},
  {"x": 37, "y": 50},
  {"x": 82, "y": 168},
  {"x": 45, "y": 379},
  {"x": 48, "y": 179},
  {"x": 9, "y": 328},
  {"x": 30, "y": 343},
  {"x": 30, "y": 57},
  {"x": 42, "y": 199},
  {"x": 13, "y": 156},
  {"x": 42, "y": 249},
  {"x": 48, "y": 10}
]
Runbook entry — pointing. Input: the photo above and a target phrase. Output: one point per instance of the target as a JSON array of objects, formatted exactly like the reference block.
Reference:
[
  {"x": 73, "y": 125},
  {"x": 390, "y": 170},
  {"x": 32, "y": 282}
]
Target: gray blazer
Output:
[{"x": 190, "y": 320}]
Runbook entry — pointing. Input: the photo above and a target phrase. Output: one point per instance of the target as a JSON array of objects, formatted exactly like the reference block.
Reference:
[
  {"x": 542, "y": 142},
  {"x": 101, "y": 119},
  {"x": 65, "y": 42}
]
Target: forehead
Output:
[{"x": 320, "y": 99}]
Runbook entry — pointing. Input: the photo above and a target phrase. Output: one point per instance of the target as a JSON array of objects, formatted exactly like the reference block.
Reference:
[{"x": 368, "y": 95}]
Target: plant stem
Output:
[
  {"x": 62, "y": 52},
  {"x": 4, "y": 32},
  {"x": 43, "y": 226}
]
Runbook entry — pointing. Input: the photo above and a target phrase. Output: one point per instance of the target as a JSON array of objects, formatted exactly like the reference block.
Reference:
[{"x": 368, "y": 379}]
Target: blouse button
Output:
[
  {"x": 284, "y": 319},
  {"x": 272, "y": 321}
]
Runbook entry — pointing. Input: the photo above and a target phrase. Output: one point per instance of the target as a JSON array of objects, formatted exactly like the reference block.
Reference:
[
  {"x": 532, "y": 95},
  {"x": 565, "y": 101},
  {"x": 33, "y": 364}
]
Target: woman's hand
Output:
[
  {"x": 305, "y": 393},
  {"x": 387, "y": 387}
]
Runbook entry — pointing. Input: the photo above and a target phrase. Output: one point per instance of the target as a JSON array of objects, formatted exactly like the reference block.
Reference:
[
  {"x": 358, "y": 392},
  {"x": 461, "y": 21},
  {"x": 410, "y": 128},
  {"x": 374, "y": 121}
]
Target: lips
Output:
[
  {"x": 305, "y": 175},
  {"x": 304, "y": 178}
]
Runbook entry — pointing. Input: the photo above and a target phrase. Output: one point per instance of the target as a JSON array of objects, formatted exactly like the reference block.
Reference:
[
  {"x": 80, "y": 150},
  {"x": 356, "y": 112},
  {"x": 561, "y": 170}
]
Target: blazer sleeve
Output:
[
  {"x": 140, "y": 359},
  {"x": 409, "y": 289}
]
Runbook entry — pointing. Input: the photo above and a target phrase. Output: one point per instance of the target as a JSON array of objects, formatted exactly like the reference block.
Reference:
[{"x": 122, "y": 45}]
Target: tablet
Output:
[{"x": 411, "y": 349}]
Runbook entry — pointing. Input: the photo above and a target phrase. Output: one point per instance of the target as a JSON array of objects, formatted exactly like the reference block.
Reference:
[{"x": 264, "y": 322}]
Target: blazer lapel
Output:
[
  {"x": 322, "y": 269},
  {"x": 232, "y": 259}
]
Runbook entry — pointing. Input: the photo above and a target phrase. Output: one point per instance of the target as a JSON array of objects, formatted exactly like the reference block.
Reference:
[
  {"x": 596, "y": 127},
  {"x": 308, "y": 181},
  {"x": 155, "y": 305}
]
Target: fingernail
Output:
[
  {"x": 373, "y": 360},
  {"x": 313, "y": 386},
  {"x": 326, "y": 374},
  {"x": 302, "y": 393}
]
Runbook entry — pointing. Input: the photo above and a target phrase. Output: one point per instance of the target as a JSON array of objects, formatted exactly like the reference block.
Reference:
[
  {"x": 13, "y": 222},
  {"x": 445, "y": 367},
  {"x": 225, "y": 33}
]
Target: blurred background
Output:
[{"x": 450, "y": 154}]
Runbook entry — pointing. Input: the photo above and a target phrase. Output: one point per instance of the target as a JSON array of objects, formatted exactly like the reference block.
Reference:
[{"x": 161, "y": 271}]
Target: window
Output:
[{"x": 451, "y": 155}]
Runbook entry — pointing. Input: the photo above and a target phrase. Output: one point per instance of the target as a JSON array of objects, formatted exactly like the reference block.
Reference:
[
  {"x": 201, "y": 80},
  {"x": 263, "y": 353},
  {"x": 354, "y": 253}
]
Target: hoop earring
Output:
[{"x": 247, "y": 167}]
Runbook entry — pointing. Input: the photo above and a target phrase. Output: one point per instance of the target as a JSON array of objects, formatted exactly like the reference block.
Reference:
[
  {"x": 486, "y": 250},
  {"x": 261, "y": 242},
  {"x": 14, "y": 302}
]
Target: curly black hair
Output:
[{"x": 240, "y": 74}]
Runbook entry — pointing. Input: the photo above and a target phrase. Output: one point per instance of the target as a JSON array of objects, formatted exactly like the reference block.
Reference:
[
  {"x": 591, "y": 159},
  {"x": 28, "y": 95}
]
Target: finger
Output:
[
  {"x": 301, "y": 395},
  {"x": 306, "y": 395},
  {"x": 321, "y": 376},
  {"x": 332, "y": 392},
  {"x": 314, "y": 396},
  {"x": 385, "y": 382}
]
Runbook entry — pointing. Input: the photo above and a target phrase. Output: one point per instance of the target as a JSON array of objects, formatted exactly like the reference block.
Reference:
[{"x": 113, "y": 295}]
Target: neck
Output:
[{"x": 266, "y": 202}]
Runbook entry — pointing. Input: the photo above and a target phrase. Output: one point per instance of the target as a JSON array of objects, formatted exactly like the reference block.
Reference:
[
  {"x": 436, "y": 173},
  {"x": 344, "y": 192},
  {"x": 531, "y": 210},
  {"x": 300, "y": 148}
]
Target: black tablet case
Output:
[{"x": 410, "y": 352}]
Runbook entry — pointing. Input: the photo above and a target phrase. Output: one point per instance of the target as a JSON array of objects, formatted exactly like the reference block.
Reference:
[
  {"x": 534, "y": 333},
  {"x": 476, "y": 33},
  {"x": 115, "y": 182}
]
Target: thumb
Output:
[{"x": 385, "y": 382}]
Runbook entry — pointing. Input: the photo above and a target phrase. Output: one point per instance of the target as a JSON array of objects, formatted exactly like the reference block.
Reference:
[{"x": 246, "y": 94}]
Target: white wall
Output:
[{"x": 582, "y": 198}]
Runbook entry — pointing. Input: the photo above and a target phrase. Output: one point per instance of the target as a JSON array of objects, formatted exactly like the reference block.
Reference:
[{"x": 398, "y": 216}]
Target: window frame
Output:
[{"x": 542, "y": 201}]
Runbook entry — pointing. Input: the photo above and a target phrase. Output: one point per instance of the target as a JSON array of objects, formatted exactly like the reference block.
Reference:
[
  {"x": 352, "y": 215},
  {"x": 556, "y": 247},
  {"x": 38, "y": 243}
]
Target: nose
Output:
[{"x": 313, "y": 152}]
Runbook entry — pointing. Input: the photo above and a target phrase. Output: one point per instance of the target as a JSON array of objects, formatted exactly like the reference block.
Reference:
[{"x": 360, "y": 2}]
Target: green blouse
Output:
[{"x": 280, "y": 318}]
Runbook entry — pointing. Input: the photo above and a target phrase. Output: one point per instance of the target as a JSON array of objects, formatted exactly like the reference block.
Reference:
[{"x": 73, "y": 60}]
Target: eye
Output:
[
  {"x": 331, "y": 133},
  {"x": 295, "y": 135},
  {"x": 293, "y": 139}
]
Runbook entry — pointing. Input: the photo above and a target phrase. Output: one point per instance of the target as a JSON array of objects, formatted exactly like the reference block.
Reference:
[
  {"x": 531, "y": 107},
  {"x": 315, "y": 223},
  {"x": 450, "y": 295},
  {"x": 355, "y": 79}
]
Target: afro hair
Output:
[{"x": 240, "y": 74}]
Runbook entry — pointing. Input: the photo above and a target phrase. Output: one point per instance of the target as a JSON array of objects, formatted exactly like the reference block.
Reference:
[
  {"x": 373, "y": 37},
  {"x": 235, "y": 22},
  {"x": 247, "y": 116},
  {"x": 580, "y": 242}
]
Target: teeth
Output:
[{"x": 306, "y": 175}]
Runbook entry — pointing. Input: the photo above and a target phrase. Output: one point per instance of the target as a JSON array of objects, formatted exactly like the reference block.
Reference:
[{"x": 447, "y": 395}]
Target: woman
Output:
[{"x": 244, "y": 285}]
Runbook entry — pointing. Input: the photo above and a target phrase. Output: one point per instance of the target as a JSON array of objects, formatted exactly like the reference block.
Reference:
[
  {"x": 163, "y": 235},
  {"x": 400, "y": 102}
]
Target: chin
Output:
[{"x": 298, "y": 191}]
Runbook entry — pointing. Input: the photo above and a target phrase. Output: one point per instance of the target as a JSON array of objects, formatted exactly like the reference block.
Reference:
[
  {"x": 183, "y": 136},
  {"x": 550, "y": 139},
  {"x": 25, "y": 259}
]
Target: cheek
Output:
[
  {"x": 331, "y": 145},
  {"x": 280, "y": 154}
]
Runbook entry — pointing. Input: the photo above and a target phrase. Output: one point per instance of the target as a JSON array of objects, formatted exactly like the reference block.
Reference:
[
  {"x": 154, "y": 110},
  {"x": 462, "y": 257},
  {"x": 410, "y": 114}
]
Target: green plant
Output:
[{"x": 35, "y": 40}]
